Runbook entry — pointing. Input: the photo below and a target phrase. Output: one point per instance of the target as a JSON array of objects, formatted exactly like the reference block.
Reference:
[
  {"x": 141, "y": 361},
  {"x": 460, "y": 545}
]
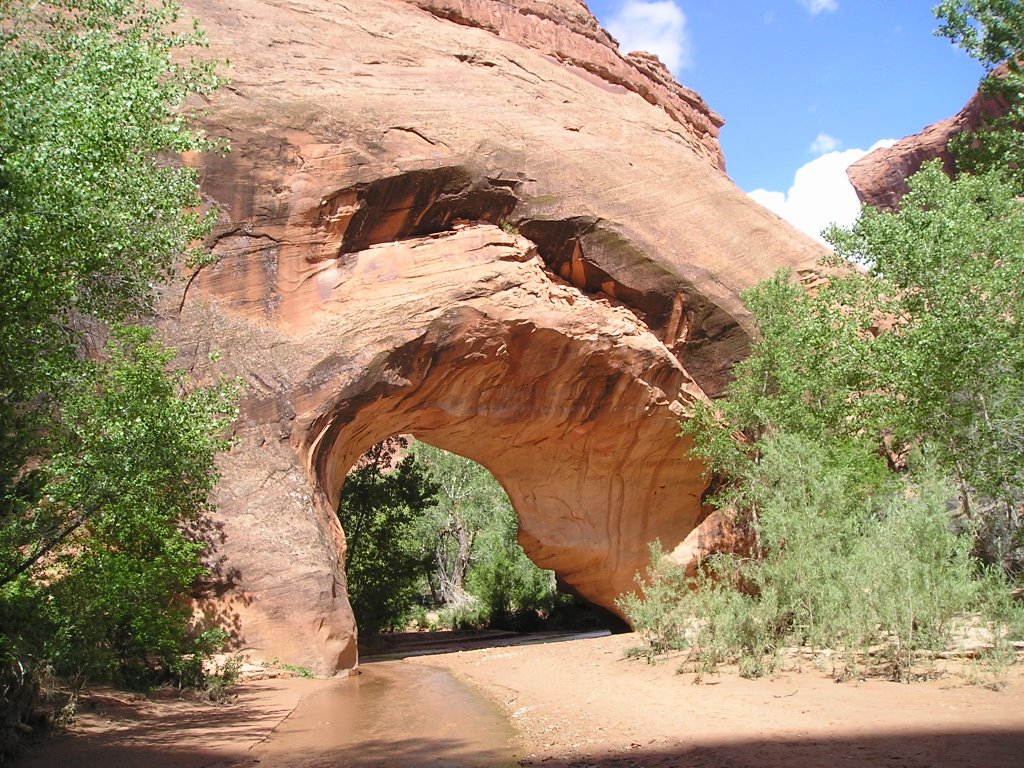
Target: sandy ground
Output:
[
  {"x": 581, "y": 703},
  {"x": 576, "y": 703},
  {"x": 121, "y": 730}
]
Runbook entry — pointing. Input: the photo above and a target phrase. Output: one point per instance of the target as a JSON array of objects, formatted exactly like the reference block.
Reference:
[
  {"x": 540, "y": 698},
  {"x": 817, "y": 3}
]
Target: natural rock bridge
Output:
[{"x": 477, "y": 223}]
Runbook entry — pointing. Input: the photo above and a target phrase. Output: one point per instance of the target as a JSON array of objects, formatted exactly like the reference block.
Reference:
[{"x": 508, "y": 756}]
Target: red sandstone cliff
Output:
[
  {"x": 364, "y": 287},
  {"x": 880, "y": 177}
]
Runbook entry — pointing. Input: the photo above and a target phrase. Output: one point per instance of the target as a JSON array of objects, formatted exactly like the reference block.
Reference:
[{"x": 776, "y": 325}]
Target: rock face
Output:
[
  {"x": 718, "y": 533},
  {"x": 474, "y": 222},
  {"x": 880, "y": 177}
]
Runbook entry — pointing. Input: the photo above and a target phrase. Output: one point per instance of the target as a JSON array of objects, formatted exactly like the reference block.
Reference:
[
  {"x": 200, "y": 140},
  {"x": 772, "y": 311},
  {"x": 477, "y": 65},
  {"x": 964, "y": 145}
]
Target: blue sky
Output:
[{"x": 802, "y": 84}]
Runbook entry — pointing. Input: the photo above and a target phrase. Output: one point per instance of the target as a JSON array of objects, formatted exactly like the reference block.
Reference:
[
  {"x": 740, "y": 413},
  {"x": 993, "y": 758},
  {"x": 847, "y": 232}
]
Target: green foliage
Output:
[
  {"x": 189, "y": 670},
  {"x": 434, "y": 522},
  {"x": 478, "y": 566},
  {"x": 951, "y": 364},
  {"x": 468, "y": 499},
  {"x": 845, "y": 565},
  {"x": 514, "y": 592},
  {"x": 106, "y": 458},
  {"x": 659, "y": 613},
  {"x": 216, "y": 684},
  {"x": 91, "y": 569},
  {"x": 809, "y": 373},
  {"x": 991, "y": 31},
  {"x": 908, "y": 345},
  {"x": 920, "y": 352},
  {"x": 950, "y": 265},
  {"x": 298, "y": 670},
  {"x": 92, "y": 213},
  {"x": 90, "y": 219},
  {"x": 379, "y": 509},
  {"x": 872, "y": 442}
]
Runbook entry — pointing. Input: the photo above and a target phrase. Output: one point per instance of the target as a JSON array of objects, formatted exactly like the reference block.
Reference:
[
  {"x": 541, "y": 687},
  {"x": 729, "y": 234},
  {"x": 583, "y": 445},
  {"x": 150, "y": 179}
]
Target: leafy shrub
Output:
[
  {"x": 103, "y": 590},
  {"x": 190, "y": 670},
  {"x": 880, "y": 426},
  {"x": 843, "y": 565},
  {"x": 660, "y": 613},
  {"x": 471, "y": 614}
]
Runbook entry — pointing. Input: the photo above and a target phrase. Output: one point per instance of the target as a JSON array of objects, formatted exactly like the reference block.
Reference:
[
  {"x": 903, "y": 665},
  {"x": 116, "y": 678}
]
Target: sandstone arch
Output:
[
  {"x": 368, "y": 283},
  {"x": 570, "y": 403}
]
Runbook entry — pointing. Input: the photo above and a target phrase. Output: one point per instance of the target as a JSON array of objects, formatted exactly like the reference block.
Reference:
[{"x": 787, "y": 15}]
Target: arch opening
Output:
[
  {"x": 570, "y": 402},
  {"x": 431, "y": 543},
  {"x": 468, "y": 341}
]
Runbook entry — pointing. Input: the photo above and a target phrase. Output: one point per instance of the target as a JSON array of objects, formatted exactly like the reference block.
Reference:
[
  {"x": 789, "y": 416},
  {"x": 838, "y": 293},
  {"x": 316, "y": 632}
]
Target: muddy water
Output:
[{"x": 394, "y": 715}]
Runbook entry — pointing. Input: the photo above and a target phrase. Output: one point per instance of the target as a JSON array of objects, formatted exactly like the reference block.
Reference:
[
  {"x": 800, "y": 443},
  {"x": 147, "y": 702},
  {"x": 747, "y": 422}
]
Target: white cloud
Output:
[
  {"x": 821, "y": 194},
  {"x": 817, "y": 6},
  {"x": 825, "y": 143},
  {"x": 655, "y": 26}
]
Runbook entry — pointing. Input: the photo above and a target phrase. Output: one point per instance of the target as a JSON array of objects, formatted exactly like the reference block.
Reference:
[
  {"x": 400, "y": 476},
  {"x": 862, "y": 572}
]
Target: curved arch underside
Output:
[{"x": 571, "y": 403}]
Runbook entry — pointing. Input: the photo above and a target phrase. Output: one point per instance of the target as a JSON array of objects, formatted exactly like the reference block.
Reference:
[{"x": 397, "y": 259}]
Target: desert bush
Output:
[
  {"x": 660, "y": 612},
  {"x": 192, "y": 670},
  {"x": 864, "y": 568}
]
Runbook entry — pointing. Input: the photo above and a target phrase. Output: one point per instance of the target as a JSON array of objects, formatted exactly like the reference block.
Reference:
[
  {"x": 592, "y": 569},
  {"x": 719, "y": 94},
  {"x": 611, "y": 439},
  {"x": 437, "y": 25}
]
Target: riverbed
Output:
[
  {"x": 575, "y": 704},
  {"x": 394, "y": 714}
]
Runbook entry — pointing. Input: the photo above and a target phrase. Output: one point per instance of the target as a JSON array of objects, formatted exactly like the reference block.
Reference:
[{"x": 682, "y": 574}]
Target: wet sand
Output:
[
  {"x": 576, "y": 703},
  {"x": 393, "y": 714}
]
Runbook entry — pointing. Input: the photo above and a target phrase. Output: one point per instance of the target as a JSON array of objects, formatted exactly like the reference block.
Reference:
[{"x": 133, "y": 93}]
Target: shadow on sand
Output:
[
  {"x": 403, "y": 645},
  {"x": 962, "y": 749},
  {"x": 169, "y": 746},
  {"x": 178, "y": 733}
]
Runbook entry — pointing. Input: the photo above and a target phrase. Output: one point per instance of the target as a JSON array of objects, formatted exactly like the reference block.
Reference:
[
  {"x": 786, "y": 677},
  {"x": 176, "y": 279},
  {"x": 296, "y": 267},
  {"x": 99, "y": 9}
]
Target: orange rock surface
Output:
[{"x": 477, "y": 223}]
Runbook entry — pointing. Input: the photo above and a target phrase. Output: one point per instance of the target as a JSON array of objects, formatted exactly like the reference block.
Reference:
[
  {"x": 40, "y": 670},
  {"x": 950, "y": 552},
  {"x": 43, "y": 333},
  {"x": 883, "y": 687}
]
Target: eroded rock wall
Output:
[{"x": 477, "y": 223}]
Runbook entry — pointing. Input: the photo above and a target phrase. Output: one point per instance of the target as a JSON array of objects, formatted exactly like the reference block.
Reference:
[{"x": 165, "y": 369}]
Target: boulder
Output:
[{"x": 478, "y": 223}]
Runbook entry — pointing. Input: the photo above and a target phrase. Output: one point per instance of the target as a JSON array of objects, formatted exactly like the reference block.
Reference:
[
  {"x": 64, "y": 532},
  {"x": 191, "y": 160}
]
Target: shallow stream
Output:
[{"x": 396, "y": 715}]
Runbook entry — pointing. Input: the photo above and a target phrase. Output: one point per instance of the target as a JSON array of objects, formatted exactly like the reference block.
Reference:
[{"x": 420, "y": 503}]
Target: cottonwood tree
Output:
[
  {"x": 382, "y": 500},
  {"x": 105, "y": 457},
  {"x": 867, "y": 404},
  {"x": 422, "y": 523},
  {"x": 467, "y": 498},
  {"x": 991, "y": 31},
  {"x": 477, "y": 567},
  {"x": 921, "y": 351}
]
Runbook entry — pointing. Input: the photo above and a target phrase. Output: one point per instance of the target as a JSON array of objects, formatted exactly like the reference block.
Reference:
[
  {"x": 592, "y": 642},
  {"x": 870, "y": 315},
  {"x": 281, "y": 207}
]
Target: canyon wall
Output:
[
  {"x": 476, "y": 222},
  {"x": 880, "y": 177}
]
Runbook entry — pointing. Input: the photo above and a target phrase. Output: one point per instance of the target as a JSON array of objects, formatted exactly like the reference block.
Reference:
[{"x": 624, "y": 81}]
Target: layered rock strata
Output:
[{"x": 477, "y": 223}]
